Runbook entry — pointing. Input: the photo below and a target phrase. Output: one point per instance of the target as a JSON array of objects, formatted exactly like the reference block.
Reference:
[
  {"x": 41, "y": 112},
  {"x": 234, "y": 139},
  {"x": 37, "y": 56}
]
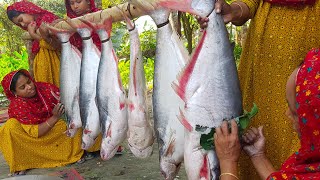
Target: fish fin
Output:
[
  {"x": 171, "y": 146},
  {"x": 183, "y": 51},
  {"x": 108, "y": 134},
  {"x": 108, "y": 25},
  {"x": 180, "y": 92},
  {"x": 89, "y": 23},
  {"x": 184, "y": 121},
  {"x": 204, "y": 171},
  {"x": 181, "y": 5},
  {"x": 130, "y": 24}
]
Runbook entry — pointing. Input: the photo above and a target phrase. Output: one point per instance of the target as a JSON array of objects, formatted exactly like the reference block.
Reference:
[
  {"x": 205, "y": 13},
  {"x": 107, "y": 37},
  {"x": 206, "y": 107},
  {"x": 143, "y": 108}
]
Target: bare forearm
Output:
[
  {"x": 46, "y": 126},
  {"x": 228, "y": 170},
  {"x": 240, "y": 13},
  {"x": 263, "y": 166}
]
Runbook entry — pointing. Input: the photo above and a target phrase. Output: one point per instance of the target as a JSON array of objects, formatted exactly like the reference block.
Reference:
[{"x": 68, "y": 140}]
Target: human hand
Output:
[
  {"x": 32, "y": 27},
  {"x": 227, "y": 143},
  {"x": 221, "y": 7},
  {"x": 44, "y": 31},
  {"x": 255, "y": 142},
  {"x": 58, "y": 110}
]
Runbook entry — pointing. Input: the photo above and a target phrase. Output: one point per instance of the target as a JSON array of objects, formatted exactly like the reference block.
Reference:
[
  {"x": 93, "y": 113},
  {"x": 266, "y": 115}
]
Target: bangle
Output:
[
  {"x": 230, "y": 174},
  {"x": 236, "y": 3},
  {"x": 48, "y": 124}
]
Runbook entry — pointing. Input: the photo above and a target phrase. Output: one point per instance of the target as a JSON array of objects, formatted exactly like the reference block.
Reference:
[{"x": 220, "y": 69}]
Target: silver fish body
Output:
[
  {"x": 140, "y": 132},
  {"x": 111, "y": 98},
  {"x": 70, "y": 63},
  {"x": 170, "y": 58},
  {"x": 88, "y": 107}
]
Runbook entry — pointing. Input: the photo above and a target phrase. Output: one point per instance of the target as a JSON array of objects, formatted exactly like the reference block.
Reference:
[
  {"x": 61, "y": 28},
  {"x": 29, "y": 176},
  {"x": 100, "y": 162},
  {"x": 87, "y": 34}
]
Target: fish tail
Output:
[
  {"x": 108, "y": 25},
  {"x": 181, "y": 5}
]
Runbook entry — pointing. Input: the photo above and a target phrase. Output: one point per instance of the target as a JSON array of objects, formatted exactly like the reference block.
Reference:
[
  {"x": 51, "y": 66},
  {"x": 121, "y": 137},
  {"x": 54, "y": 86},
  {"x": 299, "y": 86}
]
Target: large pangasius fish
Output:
[
  {"x": 171, "y": 57},
  {"x": 111, "y": 96},
  {"x": 140, "y": 132},
  {"x": 88, "y": 81},
  {"x": 70, "y": 63},
  {"x": 208, "y": 85}
]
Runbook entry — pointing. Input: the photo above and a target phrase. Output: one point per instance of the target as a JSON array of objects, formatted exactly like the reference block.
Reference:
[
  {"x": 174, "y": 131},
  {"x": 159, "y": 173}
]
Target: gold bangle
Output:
[
  {"x": 48, "y": 124},
  {"x": 236, "y": 3},
  {"x": 230, "y": 174}
]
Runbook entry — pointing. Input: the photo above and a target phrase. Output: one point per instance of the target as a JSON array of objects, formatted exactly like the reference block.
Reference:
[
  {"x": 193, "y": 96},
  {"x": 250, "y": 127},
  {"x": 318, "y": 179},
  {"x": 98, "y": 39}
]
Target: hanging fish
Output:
[
  {"x": 111, "y": 97},
  {"x": 140, "y": 132},
  {"x": 70, "y": 63}
]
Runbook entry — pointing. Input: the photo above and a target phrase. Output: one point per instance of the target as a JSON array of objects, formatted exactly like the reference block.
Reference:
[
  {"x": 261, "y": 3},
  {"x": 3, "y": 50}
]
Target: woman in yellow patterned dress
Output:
[
  {"x": 34, "y": 135},
  {"x": 281, "y": 33},
  {"x": 45, "y": 48}
]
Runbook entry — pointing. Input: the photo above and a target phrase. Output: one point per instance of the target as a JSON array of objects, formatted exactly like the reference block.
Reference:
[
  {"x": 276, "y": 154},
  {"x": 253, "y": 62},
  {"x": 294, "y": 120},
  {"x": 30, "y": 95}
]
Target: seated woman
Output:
[
  {"x": 303, "y": 96},
  {"x": 33, "y": 137}
]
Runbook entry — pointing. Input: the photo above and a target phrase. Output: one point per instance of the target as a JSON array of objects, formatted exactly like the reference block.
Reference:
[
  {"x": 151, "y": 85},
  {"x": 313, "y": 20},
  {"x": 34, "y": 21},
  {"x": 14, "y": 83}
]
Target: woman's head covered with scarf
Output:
[
  {"x": 305, "y": 164},
  {"x": 40, "y": 15},
  {"x": 76, "y": 39},
  {"x": 34, "y": 110}
]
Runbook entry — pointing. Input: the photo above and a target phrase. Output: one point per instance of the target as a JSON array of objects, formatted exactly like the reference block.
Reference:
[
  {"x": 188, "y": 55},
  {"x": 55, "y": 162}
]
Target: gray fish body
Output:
[
  {"x": 88, "y": 107},
  {"x": 140, "y": 132},
  {"x": 70, "y": 64},
  {"x": 211, "y": 94},
  {"x": 111, "y": 100},
  {"x": 170, "y": 59}
]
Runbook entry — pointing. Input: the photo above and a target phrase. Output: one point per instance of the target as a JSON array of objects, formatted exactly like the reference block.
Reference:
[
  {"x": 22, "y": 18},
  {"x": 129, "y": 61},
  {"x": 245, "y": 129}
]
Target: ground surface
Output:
[{"x": 122, "y": 167}]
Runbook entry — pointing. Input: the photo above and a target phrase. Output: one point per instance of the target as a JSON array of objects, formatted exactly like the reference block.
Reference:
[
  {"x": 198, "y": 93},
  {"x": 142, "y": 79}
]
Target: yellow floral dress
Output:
[
  {"x": 23, "y": 149},
  {"x": 46, "y": 65},
  {"x": 277, "y": 42}
]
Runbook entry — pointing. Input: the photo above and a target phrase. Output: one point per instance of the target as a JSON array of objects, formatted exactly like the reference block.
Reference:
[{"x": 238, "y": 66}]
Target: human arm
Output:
[
  {"x": 49, "y": 38},
  {"x": 46, "y": 126},
  {"x": 228, "y": 149},
  {"x": 255, "y": 149}
]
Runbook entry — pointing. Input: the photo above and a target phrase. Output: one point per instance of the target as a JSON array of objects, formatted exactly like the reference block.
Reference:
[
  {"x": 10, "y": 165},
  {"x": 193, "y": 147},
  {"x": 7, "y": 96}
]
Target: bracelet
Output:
[
  {"x": 236, "y": 3},
  {"x": 230, "y": 174},
  {"x": 48, "y": 124}
]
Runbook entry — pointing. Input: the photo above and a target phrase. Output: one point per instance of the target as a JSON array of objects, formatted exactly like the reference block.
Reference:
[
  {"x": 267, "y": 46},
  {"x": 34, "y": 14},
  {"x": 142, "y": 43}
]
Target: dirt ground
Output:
[{"x": 122, "y": 167}]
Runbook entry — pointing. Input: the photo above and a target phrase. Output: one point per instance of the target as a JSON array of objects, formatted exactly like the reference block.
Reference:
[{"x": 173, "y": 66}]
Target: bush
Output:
[{"x": 10, "y": 63}]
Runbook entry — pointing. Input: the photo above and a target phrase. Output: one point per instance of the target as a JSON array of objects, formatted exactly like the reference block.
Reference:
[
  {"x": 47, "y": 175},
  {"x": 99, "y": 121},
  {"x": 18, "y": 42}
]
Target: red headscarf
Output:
[
  {"x": 33, "y": 110},
  {"x": 76, "y": 39},
  {"x": 305, "y": 164},
  {"x": 39, "y": 14},
  {"x": 291, "y": 2}
]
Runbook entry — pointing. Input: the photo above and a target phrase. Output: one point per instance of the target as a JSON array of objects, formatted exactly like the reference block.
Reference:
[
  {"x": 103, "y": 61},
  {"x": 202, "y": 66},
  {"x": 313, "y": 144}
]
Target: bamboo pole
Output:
[{"x": 129, "y": 9}]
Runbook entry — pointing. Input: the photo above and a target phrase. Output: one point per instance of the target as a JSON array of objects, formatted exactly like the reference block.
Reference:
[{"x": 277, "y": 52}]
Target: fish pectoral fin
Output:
[
  {"x": 184, "y": 121},
  {"x": 180, "y": 92}
]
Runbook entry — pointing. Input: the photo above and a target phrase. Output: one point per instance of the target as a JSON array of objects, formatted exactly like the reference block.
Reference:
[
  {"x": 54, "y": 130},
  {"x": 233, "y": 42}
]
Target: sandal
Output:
[
  {"x": 89, "y": 155},
  {"x": 81, "y": 161},
  {"x": 18, "y": 173}
]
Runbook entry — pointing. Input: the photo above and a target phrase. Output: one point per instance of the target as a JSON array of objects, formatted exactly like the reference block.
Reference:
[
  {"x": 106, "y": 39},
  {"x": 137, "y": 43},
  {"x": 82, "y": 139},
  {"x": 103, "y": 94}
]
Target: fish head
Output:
[
  {"x": 71, "y": 132},
  {"x": 107, "y": 150},
  {"x": 169, "y": 169},
  {"x": 87, "y": 141},
  {"x": 144, "y": 153}
]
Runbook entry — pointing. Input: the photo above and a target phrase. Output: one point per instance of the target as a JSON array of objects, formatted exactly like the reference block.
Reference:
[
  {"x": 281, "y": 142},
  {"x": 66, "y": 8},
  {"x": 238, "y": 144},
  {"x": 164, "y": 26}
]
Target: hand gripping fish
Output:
[
  {"x": 111, "y": 97},
  {"x": 88, "y": 81},
  {"x": 70, "y": 63},
  {"x": 140, "y": 132},
  {"x": 208, "y": 85}
]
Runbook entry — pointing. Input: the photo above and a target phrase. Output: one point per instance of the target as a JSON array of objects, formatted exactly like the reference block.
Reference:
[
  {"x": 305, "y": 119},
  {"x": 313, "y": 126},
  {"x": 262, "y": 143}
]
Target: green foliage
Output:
[
  {"x": 237, "y": 53},
  {"x": 13, "y": 62}
]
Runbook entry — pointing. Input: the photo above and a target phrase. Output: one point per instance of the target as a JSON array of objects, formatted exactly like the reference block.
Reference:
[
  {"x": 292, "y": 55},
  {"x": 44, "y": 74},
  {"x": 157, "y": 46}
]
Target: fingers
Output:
[
  {"x": 260, "y": 129},
  {"x": 218, "y": 6},
  {"x": 234, "y": 128}
]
